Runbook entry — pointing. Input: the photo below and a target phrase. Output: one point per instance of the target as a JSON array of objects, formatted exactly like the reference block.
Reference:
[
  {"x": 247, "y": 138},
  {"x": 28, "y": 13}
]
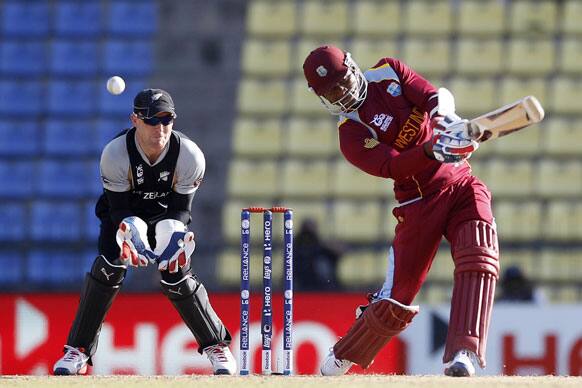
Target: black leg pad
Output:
[
  {"x": 190, "y": 299},
  {"x": 100, "y": 288}
]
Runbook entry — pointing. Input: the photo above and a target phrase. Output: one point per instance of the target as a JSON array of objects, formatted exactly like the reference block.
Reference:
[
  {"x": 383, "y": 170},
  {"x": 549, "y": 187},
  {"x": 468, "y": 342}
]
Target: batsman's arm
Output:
[{"x": 377, "y": 158}]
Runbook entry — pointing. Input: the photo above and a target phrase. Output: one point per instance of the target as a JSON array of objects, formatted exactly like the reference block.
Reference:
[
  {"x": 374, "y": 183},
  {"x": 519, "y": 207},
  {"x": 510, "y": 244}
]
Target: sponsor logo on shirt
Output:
[
  {"x": 410, "y": 129},
  {"x": 164, "y": 176},
  {"x": 382, "y": 120},
  {"x": 394, "y": 89},
  {"x": 140, "y": 178},
  {"x": 370, "y": 143}
]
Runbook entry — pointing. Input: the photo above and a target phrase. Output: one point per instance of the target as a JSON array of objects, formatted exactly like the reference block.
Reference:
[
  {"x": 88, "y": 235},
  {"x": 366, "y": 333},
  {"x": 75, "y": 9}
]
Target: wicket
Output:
[{"x": 245, "y": 292}]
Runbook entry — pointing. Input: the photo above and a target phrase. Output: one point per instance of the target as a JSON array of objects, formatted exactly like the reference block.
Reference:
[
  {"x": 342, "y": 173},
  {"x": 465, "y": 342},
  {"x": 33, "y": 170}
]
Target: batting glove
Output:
[
  {"x": 133, "y": 241},
  {"x": 174, "y": 245},
  {"x": 451, "y": 142}
]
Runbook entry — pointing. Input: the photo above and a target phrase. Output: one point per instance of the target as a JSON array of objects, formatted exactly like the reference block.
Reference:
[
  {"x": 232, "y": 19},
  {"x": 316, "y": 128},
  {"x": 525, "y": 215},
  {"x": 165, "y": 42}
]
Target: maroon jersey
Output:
[{"x": 384, "y": 136}]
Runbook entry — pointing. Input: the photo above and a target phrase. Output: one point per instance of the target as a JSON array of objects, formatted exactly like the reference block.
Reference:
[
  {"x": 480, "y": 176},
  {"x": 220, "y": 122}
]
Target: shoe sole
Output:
[
  {"x": 457, "y": 370},
  {"x": 221, "y": 372},
  {"x": 62, "y": 372}
]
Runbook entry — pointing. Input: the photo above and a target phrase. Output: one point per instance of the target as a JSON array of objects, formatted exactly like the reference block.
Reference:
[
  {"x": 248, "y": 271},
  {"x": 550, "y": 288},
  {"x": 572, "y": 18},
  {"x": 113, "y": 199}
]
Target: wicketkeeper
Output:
[
  {"x": 389, "y": 127},
  {"x": 150, "y": 174}
]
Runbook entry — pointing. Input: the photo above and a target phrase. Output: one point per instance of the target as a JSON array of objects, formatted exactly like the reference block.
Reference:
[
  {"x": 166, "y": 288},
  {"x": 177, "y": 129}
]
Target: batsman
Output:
[
  {"x": 150, "y": 174},
  {"x": 389, "y": 126}
]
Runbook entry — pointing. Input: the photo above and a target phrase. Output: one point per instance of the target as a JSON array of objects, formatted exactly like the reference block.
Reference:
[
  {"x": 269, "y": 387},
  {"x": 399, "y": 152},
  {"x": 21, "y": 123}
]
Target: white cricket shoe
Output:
[
  {"x": 222, "y": 360},
  {"x": 331, "y": 366},
  {"x": 462, "y": 365},
  {"x": 74, "y": 362}
]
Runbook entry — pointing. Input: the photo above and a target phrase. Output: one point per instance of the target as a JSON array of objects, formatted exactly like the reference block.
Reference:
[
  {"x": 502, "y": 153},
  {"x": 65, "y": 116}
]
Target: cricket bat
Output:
[
  {"x": 507, "y": 119},
  {"x": 500, "y": 122}
]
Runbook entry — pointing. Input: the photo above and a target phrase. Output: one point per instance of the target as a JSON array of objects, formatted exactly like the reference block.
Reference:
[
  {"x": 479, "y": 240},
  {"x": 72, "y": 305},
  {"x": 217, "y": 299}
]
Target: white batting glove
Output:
[
  {"x": 174, "y": 245},
  {"x": 132, "y": 238},
  {"x": 451, "y": 142}
]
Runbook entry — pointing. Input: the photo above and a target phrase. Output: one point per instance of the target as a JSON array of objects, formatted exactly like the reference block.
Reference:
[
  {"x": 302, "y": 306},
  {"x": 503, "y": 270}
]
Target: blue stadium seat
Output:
[
  {"x": 12, "y": 264},
  {"x": 63, "y": 179},
  {"x": 56, "y": 221},
  {"x": 94, "y": 187},
  {"x": 121, "y": 105},
  {"x": 19, "y": 137},
  {"x": 128, "y": 58},
  {"x": 143, "y": 16},
  {"x": 25, "y": 18},
  {"x": 13, "y": 221},
  {"x": 18, "y": 98},
  {"x": 22, "y": 58},
  {"x": 71, "y": 99},
  {"x": 74, "y": 58},
  {"x": 92, "y": 223},
  {"x": 54, "y": 267},
  {"x": 69, "y": 137},
  {"x": 107, "y": 129},
  {"x": 18, "y": 179},
  {"x": 75, "y": 18}
]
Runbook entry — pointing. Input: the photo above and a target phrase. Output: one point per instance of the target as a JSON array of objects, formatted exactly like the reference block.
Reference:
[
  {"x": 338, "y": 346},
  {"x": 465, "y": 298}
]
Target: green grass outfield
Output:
[{"x": 350, "y": 381}]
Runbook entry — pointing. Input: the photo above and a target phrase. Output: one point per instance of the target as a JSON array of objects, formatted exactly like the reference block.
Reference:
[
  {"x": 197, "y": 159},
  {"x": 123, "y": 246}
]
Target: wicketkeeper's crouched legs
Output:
[
  {"x": 100, "y": 288},
  {"x": 190, "y": 299},
  {"x": 381, "y": 320},
  {"x": 476, "y": 256}
]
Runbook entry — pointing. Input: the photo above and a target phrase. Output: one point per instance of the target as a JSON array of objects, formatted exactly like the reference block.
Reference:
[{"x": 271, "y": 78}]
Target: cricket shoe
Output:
[
  {"x": 74, "y": 362},
  {"x": 222, "y": 360},
  {"x": 462, "y": 365},
  {"x": 332, "y": 366}
]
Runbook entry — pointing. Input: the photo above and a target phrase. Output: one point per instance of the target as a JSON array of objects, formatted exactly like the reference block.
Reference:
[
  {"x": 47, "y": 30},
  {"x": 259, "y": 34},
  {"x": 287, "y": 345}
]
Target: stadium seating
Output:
[
  {"x": 311, "y": 137},
  {"x": 266, "y": 58},
  {"x": 324, "y": 18},
  {"x": 253, "y": 179},
  {"x": 23, "y": 58},
  {"x": 25, "y": 19},
  {"x": 518, "y": 220},
  {"x": 18, "y": 179},
  {"x": 75, "y": 58},
  {"x": 420, "y": 16},
  {"x": 128, "y": 57},
  {"x": 21, "y": 98},
  {"x": 531, "y": 56},
  {"x": 267, "y": 18},
  {"x": 367, "y": 52},
  {"x": 572, "y": 14},
  {"x": 12, "y": 264},
  {"x": 55, "y": 221},
  {"x": 428, "y": 56},
  {"x": 479, "y": 56},
  {"x": 13, "y": 222},
  {"x": 65, "y": 267},
  {"x": 74, "y": 19},
  {"x": 67, "y": 138},
  {"x": 376, "y": 18},
  {"x": 478, "y": 17},
  {"x": 60, "y": 179},
  {"x": 528, "y": 17},
  {"x": 305, "y": 178},
  {"x": 259, "y": 138},
  {"x": 262, "y": 97},
  {"x": 72, "y": 99},
  {"x": 11, "y": 134},
  {"x": 571, "y": 57},
  {"x": 142, "y": 15}
]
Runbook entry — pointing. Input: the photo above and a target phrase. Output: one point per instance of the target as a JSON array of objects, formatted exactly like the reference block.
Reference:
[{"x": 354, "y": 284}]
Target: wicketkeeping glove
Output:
[
  {"x": 451, "y": 142},
  {"x": 174, "y": 245},
  {"x": 132, "y": 238}
]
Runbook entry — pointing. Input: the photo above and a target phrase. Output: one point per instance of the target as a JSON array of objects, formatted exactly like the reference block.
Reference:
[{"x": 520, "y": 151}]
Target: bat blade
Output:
[{"x": 507, "y": 119}]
